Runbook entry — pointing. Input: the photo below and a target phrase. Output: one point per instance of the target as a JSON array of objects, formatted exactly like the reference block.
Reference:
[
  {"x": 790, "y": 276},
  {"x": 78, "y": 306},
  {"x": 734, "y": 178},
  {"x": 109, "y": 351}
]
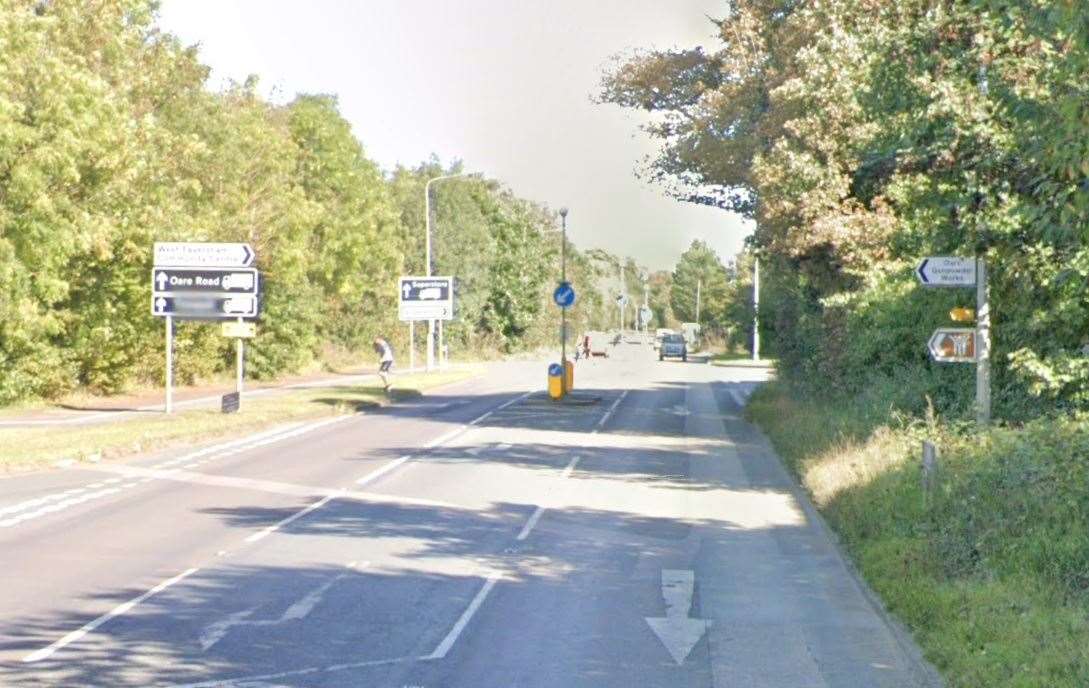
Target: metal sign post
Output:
[
  {"x": 962, "y": 345},
  {"x": 983, "y": 345},
  {"x": 169, "y": 364},
  {"x": 239, "y": 351}
]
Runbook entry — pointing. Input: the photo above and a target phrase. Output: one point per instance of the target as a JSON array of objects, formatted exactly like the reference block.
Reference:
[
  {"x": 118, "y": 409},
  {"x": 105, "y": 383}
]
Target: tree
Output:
[{"x": 699, "y": 271}]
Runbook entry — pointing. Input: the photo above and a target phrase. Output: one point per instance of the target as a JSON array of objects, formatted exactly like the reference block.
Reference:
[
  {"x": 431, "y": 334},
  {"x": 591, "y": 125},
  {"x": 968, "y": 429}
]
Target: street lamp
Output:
[{"x": 427, "y": 252}]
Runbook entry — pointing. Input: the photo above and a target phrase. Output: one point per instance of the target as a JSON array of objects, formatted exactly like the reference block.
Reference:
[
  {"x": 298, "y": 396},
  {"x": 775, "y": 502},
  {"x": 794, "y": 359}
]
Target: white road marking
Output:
[
  {"x": 466, "y": 616},
  {"x": 95, "y": 491},
  {"x": 738, "y": 397},
  {"x": 298, "y": 610},
  {"x": 120, "y": 609},
  {"x": 605, "y": 418},
  {"x": 244, "y": 681},
  {"x": 265, "y": 532},
  {"x": 531, "y": 523},
  {"x": 497, "y": 409},
  {"x": 676, "y": 630},
  {"x": 391, "y": 466}
]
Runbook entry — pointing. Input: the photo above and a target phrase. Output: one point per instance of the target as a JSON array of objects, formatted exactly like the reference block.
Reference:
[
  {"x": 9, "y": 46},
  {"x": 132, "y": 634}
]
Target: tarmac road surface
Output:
[{"x": 481, "y": 536}]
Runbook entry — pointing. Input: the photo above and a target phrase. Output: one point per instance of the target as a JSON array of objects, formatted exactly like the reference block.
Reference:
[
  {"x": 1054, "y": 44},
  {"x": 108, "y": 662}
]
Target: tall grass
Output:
[{"x": 991, "y": 571}]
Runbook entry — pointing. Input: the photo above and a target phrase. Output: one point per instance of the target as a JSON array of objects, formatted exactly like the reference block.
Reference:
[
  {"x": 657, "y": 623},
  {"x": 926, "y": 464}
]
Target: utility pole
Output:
[
  {"x": 699, "y": 286},
  {"x": 756, "y": 309},
  {"x": 563, "y": 311},
  {"x": 427, "y": 257}
]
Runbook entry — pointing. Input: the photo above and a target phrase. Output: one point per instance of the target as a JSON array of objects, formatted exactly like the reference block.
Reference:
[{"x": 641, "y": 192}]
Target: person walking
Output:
[{"x": 385, "y": 360}]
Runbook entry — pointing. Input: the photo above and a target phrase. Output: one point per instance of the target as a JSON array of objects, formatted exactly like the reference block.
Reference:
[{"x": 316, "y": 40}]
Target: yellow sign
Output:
[
  {"x": 962, "y": 314},
  {"x": 239, "y": 329}
]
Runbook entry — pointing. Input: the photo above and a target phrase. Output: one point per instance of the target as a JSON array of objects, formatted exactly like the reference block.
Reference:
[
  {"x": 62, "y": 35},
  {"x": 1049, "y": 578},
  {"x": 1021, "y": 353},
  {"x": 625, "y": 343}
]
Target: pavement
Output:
[{"x": 476, "y": 537}]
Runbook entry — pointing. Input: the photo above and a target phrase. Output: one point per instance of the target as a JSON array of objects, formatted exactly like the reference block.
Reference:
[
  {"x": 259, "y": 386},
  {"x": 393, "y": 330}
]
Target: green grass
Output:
[
  {"x": 991, "y": 571},
  {"x": 27, "y": 448}
]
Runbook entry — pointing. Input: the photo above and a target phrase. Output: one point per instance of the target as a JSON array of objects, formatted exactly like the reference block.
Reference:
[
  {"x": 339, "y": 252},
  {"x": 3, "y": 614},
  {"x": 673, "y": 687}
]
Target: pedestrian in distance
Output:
[{"x": 385, "y": 360}]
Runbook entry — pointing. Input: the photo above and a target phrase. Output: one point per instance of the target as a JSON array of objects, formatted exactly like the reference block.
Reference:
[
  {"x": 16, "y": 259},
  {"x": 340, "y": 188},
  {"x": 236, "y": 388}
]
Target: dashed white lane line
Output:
[
  {"x": 531, "y": 524},
  {"x": 609, "y": 413},
  {"x": 376, "y": 474},
  {"x": 120, "y": 609},
  {"x": 466, "y": 616},
  {"x": 265, "y": 532}
]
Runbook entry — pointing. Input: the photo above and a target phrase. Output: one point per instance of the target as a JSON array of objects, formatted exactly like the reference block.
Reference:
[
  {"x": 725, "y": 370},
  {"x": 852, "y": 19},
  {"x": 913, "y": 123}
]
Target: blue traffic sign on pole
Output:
[{"x": 564, "y": 296}]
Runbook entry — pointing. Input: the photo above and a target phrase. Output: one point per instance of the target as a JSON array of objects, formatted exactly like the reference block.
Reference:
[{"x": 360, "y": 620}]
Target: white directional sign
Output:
[
  {"x": 204, "y": 306},
  {"x": 947, "y": 271},
  {"x": 678, "y": 631},
  {"x": 168, "y": 280},
  {"x": 196, "y": 254},
  {"x": 953, "y": 345},
  {"x": 426, "y": 298}
]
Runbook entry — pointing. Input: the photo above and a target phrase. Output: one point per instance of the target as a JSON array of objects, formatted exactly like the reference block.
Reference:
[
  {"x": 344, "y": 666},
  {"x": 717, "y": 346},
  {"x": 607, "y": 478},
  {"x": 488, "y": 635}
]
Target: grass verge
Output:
[
  {"x": 991, "y": 569},
  {"x": 35, "y": 447}
]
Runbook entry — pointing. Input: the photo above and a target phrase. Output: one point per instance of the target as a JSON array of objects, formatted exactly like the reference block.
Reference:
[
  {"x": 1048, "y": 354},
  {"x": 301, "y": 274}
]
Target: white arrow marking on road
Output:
[
  {"x": 299, "y": 610},
  {"x": 160, "y": 304},
  {"x": 677, "y": 632}
]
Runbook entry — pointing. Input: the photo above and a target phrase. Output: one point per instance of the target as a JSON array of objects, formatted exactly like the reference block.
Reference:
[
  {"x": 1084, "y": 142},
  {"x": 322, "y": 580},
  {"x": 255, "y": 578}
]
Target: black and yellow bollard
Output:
[{"x": 555, "y": 381}]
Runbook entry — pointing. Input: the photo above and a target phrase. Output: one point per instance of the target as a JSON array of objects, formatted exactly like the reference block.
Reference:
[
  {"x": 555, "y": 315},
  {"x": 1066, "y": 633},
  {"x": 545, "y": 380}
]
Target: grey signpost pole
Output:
[
  {"x": 411, "y": 344},
  {"x": 239, "y": 353},
  {"x": 563, "y": 310},
  {"x": 169, "y": 364},
  {"x": 983, "y": 345},
  {"x": 756, "y": 310}
]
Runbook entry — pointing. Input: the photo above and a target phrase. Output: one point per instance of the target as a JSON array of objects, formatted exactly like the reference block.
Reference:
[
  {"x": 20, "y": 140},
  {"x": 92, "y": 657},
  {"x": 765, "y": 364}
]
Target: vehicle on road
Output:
[
  {"x": 673, "y": 346},
  {"x": 660, "y": 334},
  {"x": 598, "y": 343}
]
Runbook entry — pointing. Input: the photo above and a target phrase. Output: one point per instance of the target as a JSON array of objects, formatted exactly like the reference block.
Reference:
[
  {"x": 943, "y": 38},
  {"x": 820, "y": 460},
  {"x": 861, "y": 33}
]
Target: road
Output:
[{"x": 482, "y": 536}]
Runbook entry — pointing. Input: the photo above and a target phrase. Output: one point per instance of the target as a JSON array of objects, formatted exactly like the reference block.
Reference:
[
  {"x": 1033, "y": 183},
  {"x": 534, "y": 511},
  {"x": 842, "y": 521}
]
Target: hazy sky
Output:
[{"x": 504, "y": 85}]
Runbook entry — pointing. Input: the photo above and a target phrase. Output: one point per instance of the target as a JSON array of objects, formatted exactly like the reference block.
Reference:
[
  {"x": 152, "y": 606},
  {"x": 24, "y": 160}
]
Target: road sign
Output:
[
  {"x": 233, "y": 328},
  {"x": 170, "y": 280},
  {"x": 230, "y": 403},
  {"x": 426, "y": 298},
  {"x": 197, "y": 254},
  {"x": 953, "y": 345},
  {"x": 204, "y": 306},
  {"x": 645, "y": 315},
  {"x": 947, "y": 271},
  {"x": 564, "y": 296},
  {"x": 962, "y": 314}
]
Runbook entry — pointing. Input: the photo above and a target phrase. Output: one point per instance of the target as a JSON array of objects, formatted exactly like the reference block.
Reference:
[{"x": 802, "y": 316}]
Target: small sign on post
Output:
[
  {"x": 953, "y": 345},
  {"x": 231, "y": 402},
  {"x": 947, "y": 271},
  {"x": 426, "y": 298}
]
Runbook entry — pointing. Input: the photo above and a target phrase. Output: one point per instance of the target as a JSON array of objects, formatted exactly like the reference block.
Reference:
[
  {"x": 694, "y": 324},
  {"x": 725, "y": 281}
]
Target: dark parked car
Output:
[{"x": 673, "y": 345}]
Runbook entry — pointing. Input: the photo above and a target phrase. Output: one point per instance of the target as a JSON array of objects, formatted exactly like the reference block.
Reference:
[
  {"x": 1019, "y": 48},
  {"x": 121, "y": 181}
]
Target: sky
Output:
[{"x": 503, "y": 85}]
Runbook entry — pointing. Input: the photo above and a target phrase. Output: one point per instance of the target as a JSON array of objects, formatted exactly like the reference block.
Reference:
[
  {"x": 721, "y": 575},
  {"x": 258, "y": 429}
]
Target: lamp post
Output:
[
  {"x": 427, "y": 258},
  {"x": 563, "y": 311}
]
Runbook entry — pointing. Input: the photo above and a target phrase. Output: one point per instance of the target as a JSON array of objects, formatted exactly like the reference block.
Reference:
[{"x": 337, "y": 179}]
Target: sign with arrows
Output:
[
  {"x": 169, "y": 280},
  {"x": 564, "y": 296},
  {"x": 953, "y": 345},
  {"x": 947, "y": 271},
  {"x": 204, "y": 306},
  {"x": 198, "y": 254},
  {"x": 426, "y": 298},
  {"x": 677, "y": 631}
]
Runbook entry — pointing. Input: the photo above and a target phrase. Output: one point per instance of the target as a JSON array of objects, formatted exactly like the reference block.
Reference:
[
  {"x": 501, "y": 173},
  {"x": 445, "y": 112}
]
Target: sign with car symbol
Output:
[{"x": 425, "y": 298}]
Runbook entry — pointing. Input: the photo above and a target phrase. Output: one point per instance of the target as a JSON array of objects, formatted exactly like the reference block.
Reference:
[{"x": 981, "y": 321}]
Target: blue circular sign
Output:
[
  {"x": 555, "y": 370},
  {"x": 564, "y": 296}
]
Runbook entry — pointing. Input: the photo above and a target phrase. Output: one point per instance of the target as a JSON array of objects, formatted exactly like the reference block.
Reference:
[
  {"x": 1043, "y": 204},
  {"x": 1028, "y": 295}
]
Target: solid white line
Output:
[
  {"x": 375, "y": 475},
  {"x": 254, "y": 680},
  {"x": 466, "y": 617},
  {"x": 261, "y": 534},
  {"x": 571, "y": 466},
  {"x": 497, "y": 409},
  {"x": 531, "y": 523},
  {"x": 120, "y": 609}
]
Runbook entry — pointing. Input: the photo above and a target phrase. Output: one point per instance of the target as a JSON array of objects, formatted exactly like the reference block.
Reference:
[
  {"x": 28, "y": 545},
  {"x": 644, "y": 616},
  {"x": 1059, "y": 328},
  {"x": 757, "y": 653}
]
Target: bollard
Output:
[
  {"x": 569, "y": 369},
  {"x": 930, "y": 469},
  {"x": 555, "y": 381}
]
